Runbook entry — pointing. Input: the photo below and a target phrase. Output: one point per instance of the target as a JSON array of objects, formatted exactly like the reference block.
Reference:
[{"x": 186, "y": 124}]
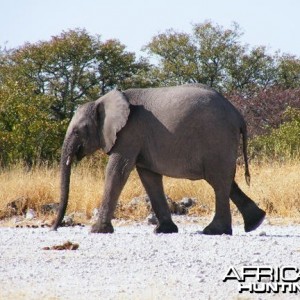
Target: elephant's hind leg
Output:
[
  {"x": 153, "y": 185},
  {"x": 253, "y": 216},
  {"x": 221, "y": 223},
  {"x": 220, "y": 179}
]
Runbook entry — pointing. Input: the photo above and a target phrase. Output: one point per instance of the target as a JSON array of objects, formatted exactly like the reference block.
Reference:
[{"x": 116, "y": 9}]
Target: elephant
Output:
[{"x": 189, "y": 131}]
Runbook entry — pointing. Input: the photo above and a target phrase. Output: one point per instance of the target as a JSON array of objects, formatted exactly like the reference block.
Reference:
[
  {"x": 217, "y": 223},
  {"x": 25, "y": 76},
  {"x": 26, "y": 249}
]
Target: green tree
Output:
[
  {"x": 214, "y": 56},
  {"x": 217, "y": 48},
  {"x": 250, "y": 71},
  {"x": 42, "y": 84},
  {"x": 62, "y": 68},
  {"x": 116, "y": 67},
  {"x": 26, "y": 131},
  {"x": 176, "y": 58},
  {"x": 288, "y": 72},
  {"x": 75, "y": 67},
  {"x": 200, "y": 57}
]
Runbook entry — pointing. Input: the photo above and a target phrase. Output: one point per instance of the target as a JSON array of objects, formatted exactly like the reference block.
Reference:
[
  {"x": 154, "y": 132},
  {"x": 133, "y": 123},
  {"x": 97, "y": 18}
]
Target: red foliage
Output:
[{"x": 266, "y": 109}]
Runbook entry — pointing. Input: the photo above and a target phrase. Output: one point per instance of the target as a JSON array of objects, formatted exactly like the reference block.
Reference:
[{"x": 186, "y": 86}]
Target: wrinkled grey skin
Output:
[{"x": 188, "y": 132}]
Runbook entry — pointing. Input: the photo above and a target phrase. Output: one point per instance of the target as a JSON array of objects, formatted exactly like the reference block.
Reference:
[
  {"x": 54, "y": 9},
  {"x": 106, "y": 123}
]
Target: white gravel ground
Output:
[{"x": 134, "y": 263}]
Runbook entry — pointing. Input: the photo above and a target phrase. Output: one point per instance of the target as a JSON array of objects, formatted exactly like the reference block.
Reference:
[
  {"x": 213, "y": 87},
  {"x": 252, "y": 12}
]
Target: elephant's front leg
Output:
[{"x": 117, "y": 172}]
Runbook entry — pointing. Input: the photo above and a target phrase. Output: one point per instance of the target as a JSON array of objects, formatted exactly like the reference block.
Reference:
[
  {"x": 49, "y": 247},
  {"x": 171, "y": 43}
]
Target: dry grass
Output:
[{"x": 275, "y": 187}]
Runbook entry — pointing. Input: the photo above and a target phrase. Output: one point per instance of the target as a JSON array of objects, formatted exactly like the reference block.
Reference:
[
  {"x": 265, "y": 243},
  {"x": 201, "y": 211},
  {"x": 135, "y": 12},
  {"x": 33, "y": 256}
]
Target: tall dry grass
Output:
[{"x": 275, "y": 187}]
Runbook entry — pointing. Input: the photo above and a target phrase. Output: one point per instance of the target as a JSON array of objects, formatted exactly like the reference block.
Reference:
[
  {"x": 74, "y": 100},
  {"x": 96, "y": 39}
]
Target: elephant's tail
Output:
[{"x": 245, "y": 154}]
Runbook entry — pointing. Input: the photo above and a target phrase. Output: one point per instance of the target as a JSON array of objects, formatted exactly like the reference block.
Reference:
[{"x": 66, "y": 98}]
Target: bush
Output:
[
  {"x": 282, "y": 142},
  {"x": 268, "y": 109}
]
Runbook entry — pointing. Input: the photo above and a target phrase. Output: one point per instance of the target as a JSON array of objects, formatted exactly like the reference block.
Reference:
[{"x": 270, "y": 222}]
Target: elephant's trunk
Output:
[{"x": 65, "y": 165}]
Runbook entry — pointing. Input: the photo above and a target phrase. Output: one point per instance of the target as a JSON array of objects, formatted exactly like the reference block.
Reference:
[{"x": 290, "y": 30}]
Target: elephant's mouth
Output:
[{"x": 80, "y": 153}]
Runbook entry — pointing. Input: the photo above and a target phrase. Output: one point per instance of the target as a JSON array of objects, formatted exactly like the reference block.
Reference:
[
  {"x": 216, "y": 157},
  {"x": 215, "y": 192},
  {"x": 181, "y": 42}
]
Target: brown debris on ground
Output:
[{"x": 66, "y": 246}]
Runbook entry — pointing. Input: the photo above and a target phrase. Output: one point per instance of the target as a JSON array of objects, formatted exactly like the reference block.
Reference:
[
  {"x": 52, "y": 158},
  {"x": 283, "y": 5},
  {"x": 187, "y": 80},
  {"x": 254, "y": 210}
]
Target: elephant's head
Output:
[{"x": 94, "y": 126}]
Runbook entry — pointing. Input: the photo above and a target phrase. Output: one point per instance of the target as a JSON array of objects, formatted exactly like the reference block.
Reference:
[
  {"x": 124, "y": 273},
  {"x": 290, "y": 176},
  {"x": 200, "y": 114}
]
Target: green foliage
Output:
[
  {"x": 117, "y": 67},
  {"x": 176, "y": 56},
  {"x": 74, "y": 68},
  {"x": 288, "y": 74},
  {"x": 42, "y": 84},
  {"x": 282, "y": 142},
  {"x": 211, "y": 55},
  {"x": 216, "y": 50},
  {"x": 215, "y": 56},
  {"x": 26, "y": 131}
]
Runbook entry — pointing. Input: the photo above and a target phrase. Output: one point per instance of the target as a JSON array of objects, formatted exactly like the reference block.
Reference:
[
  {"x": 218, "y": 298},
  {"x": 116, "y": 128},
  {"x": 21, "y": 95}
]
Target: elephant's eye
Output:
[{"x": 76, "y": 131}]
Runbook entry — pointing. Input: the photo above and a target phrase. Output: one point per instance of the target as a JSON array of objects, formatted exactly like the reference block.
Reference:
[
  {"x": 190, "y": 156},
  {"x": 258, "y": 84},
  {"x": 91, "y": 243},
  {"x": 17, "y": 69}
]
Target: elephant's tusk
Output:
[{"x": 68, "y": 160}]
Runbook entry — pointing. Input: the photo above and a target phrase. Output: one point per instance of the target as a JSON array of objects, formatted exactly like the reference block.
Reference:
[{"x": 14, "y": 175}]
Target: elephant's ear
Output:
[{"x": 112, "y": 115}]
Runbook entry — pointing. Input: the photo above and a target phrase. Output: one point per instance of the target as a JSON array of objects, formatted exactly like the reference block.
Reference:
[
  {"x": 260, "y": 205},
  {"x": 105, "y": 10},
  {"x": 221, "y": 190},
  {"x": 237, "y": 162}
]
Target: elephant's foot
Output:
[
  {"x": 217, "y": 228},
  {"x": 253, "y": 219},
  {"x": 166, "y": 227},
  {"x": 102, "y": 228}
]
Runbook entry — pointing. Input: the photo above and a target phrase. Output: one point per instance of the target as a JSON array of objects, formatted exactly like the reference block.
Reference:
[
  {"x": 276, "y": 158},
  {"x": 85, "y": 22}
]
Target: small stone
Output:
[
  {"x": 95, "y": 214},
  {"x": 49, "y": 208},
  {"x": 18, "y": 219},
  {"x": 187, "y": 202},
  {"x": 30, "y": 214},
  {"x": 68, "y": 221},
  {"x": 152, "y": 220}
]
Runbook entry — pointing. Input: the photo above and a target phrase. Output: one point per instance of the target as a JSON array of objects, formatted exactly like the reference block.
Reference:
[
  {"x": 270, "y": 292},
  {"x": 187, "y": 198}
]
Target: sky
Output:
[{"x": 272, "y": 23}]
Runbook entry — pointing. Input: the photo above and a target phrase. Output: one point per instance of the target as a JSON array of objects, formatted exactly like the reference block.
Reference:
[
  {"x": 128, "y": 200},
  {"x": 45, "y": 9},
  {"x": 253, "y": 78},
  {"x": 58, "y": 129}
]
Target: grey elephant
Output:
[{"x": 188, "y": 131}]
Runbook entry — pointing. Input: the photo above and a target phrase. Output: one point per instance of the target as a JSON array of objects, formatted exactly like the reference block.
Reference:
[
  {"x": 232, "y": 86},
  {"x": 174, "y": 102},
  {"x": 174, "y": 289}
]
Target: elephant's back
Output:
[
  {"x": 172, "y": 105},
  {"x": 169, "y": 96}
]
